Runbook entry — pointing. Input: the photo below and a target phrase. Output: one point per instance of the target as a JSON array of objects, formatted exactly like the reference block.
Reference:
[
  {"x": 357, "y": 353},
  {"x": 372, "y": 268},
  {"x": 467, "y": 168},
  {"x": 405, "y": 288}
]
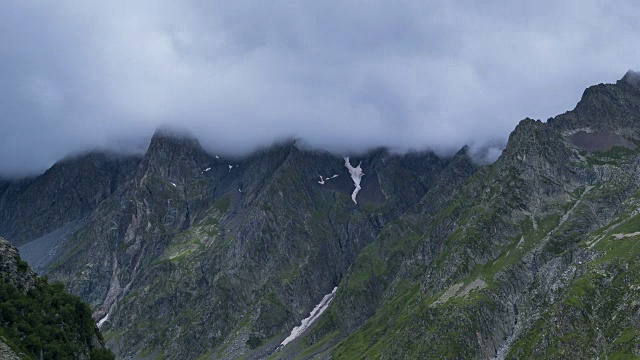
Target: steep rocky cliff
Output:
[
  {"x": 185, "y": 254},
  {"x": 33, "y": 207}
]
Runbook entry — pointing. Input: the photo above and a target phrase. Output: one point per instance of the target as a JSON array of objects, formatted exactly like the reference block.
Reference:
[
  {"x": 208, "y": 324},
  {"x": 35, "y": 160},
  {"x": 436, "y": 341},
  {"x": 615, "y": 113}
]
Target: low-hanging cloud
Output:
[{"x": 342, "y": 75}]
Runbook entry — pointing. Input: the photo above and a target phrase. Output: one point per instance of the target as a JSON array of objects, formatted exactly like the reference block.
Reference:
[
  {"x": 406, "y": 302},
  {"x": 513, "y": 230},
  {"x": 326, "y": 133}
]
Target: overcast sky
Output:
[{"x": 342, "y": 75}]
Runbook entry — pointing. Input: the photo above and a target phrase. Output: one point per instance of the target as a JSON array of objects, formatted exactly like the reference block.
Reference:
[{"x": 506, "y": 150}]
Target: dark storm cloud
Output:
[{"x": 342, "y": 75}]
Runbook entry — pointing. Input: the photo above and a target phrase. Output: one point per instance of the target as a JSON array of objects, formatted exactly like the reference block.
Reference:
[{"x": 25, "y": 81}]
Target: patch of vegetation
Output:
[
  {"x": 378, "y": 209},
  {"x": 272, "y": 316},
  {"x": 254, "y": 342},
  {"x": 630, "y": 226},
  {"x": 47, "y": 321},
  {"x": 22, "y": 265},
  {"x": 625, "y": 248},
  {"x": 407, "y": 327},
  {"x": 101, "y": 354},
  {"x": 316, "y": 347},
  {"x": 579, "y": 289},
  {"x": 222, "y": 204},
  {"x": 597, "y": 306},
  {"x": 616, "y": 152},
  {"x": 612, "y": 156}
]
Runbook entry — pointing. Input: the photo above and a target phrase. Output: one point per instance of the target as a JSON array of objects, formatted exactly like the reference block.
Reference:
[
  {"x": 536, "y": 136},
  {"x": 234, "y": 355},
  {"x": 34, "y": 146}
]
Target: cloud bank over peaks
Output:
[{"x": 342, "y": 75}]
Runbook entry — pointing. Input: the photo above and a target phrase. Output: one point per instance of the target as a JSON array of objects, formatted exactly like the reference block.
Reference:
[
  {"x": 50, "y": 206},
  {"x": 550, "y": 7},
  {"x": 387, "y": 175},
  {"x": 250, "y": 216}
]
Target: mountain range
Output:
[{"x": 292, "y": 253}]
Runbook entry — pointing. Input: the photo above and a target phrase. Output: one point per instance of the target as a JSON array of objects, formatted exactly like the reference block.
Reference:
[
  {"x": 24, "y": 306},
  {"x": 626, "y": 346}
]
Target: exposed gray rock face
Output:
[
  {"x": 71, "y": 189},
  {"x": 6, "y": 353},
  {"x": 13, "y": 269}
]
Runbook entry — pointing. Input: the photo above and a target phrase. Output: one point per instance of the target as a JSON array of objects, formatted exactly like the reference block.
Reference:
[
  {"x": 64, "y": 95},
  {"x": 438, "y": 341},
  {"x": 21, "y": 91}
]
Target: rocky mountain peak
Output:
[
  {"x": 462, "y": 156},
  {"x": 171, "y": 154},
  {"x": 165, "y": 141},
  {"x": 604, "y": 107},
  {"x": 632, "y": 78}
]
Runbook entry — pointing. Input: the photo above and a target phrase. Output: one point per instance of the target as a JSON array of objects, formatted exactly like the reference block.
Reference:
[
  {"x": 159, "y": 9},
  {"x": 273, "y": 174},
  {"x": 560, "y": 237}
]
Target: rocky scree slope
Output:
[{"x": 198, "y": 255}]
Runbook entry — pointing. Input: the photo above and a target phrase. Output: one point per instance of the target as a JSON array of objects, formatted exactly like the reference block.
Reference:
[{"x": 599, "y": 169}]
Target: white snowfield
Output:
[
  {"x": 101, "y": 322},
  {"x": 322, "y": 180},
  {"x": 315, "y": 315},
  {"x": 207, "y": 169},
  {"x": 356, "y": 175}
]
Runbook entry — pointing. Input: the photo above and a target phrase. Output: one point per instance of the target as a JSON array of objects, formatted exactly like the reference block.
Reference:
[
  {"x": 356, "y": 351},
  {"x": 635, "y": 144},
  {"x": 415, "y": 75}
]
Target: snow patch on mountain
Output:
[
  {"x": 306, "y": 323},
  {"x": 323, "y": 180},
  {"x": 356, "y": 175},
  {"x": 101, "y": 322}
]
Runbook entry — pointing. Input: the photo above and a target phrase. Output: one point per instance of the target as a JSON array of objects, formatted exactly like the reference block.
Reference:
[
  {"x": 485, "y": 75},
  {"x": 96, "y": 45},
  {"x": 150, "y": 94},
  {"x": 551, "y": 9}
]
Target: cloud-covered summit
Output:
[{"x": 342, "y": 75}]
